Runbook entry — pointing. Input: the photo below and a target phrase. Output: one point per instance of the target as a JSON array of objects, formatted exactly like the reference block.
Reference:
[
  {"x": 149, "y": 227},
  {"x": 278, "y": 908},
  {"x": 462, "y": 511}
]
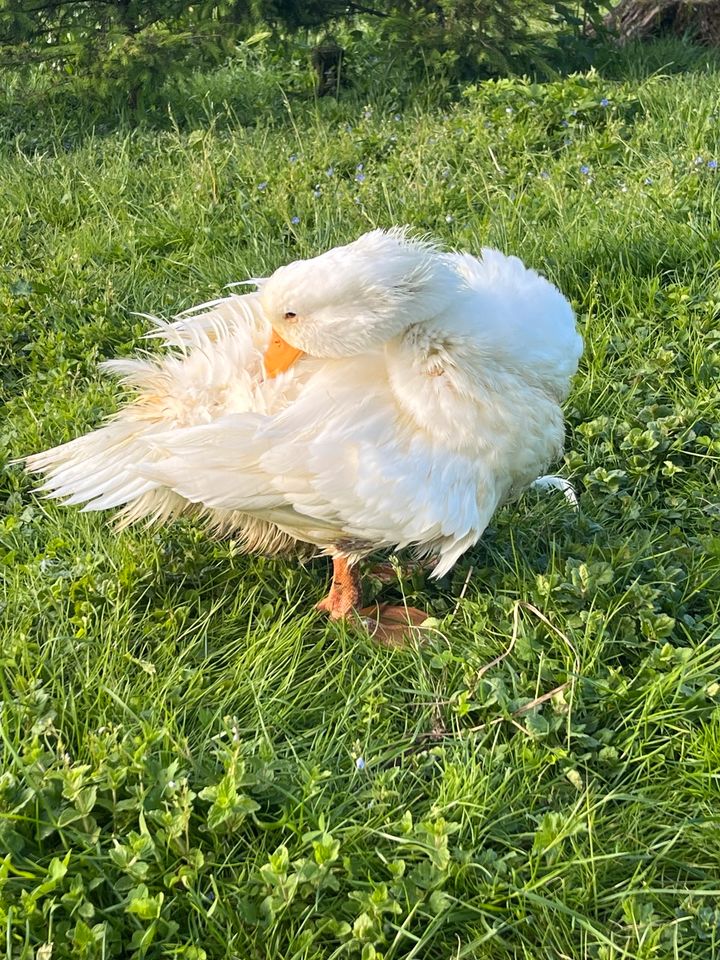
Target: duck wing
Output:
[{"x": 341, "y": 466}]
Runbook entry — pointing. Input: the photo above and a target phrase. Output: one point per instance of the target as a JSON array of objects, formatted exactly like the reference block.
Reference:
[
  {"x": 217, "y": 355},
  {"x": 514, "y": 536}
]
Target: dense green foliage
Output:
[
  {"x": 133, "y": 46},
  {"x": 128, "y": 45},
  {"x": 193, "y": 762}
]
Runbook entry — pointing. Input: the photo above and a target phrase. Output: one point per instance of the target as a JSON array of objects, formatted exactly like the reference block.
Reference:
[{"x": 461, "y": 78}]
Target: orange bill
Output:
[{"x": 279, "y": 355}]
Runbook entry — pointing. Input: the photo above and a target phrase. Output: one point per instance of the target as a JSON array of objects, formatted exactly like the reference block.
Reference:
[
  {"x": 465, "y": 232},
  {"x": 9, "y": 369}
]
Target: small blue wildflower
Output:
[
  {"x": 348, "y": 128},
  {"x": 604, "y": 102},
  {"x": 359, "y": 167},
  {"x": 330, "y": 172},
  {"x": 544, "y": 175},
  {"x": 295, "y": 220},
  {"x": 712, "y": 164},
  {"x": 360, "y": 763},
  {"x": 567, "y": 141},
  {"x": 263, "y": 185},
  {"x": 564, "y": 123},
  {"x": 317, "y": 192},
  {"x": 648, "y": 181},
  {"x": 293, "y": 158},
  {"x": 360, "y": 177},
  {"x": 397, "y": 118},
  {"x": 585, "y": 169}
]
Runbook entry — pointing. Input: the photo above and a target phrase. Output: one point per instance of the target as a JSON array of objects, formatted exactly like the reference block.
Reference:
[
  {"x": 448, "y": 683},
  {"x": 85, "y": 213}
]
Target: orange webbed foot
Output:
[{"x": 393, "y": 626}]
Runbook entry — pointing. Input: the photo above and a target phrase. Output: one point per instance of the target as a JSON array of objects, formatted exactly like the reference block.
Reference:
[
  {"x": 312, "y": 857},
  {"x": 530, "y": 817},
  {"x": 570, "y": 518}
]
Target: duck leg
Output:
[
  {"x": 345, "y": 593},
  {"x": 392, "y": 626}
]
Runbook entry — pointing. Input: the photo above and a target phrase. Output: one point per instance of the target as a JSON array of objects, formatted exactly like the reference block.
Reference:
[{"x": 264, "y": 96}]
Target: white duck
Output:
[{"x": 382, "y": 395}]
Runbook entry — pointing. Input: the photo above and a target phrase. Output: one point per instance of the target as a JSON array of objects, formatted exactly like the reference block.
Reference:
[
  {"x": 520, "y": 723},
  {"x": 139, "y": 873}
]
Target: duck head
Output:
[{"x": 352, "y": 299}]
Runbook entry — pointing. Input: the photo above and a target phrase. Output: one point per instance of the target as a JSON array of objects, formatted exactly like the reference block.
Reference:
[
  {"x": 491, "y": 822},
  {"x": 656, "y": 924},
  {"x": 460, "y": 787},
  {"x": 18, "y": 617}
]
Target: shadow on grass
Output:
[
  {"x": 637, "y": 61},
  {"x": 40, "y": 113}
]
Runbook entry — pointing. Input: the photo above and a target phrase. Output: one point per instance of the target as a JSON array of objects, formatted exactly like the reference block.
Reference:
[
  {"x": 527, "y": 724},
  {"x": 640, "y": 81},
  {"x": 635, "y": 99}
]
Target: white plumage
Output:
[{"x": 427, "y": 392}]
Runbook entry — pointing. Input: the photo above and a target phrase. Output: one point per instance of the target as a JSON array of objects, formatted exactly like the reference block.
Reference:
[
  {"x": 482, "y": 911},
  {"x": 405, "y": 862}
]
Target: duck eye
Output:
[{"x": 290, "y": 315}]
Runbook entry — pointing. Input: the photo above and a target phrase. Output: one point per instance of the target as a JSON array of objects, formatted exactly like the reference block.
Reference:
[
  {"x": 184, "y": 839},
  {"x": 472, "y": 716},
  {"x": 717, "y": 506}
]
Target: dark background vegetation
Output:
[{"x": 131, "y": 49}]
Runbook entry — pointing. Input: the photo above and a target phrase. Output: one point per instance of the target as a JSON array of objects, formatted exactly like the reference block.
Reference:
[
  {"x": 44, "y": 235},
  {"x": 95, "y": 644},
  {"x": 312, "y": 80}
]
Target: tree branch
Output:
[
  {"x": 361, "y": 8},
  {"x": 56, "y": 4}
]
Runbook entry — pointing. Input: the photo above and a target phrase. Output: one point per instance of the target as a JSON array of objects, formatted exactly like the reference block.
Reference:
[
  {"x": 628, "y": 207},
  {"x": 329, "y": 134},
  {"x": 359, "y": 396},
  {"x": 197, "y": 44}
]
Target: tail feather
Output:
[
  {"x": 125, "y": 492},
  {"x": 98, "y": 469},
  {"x": 212, "y": 366}
]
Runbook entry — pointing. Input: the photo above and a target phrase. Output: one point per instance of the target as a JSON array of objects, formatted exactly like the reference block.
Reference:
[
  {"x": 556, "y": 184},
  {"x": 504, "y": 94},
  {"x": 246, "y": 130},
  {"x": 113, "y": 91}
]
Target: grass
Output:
[{"x": 194, "y": 763}]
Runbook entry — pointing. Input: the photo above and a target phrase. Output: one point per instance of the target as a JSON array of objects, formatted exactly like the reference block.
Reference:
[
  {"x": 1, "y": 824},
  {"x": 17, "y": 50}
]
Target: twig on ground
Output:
[
  {"x": 463, "y": 591},
  {"x": 439, "y": 732}
]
